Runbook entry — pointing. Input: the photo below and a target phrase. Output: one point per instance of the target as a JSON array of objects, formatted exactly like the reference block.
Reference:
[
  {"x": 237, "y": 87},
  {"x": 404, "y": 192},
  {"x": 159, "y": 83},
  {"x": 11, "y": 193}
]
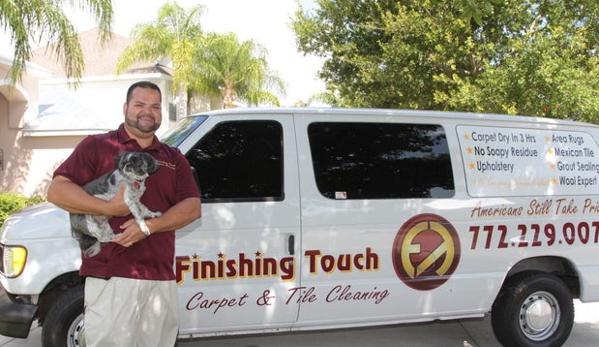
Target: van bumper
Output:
[{"x": 15, "y": 317}]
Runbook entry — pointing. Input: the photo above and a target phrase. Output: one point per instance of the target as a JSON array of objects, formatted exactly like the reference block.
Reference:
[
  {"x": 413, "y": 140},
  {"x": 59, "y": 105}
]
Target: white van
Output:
[{"x": 333, "y": 218}]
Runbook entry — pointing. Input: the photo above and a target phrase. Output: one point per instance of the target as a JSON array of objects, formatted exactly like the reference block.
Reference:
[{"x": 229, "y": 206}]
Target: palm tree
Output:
[
  {"x": 30, "y": 21},
  {"x": 235, "y": 71},
  {"x": 175, "y": 35}
]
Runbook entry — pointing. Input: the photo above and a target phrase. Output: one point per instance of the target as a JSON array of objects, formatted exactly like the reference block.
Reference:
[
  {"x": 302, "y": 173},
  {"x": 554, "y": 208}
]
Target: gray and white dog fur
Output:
[{"x": 132, "y": 170}]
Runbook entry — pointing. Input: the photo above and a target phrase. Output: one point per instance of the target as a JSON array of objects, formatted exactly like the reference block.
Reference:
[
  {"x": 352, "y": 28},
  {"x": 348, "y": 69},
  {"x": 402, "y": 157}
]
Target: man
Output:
[{"x": 130, "y": 289}]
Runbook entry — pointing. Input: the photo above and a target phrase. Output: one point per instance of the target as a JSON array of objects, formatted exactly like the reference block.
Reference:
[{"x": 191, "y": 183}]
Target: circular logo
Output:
[{"x": 426, "y": 251}]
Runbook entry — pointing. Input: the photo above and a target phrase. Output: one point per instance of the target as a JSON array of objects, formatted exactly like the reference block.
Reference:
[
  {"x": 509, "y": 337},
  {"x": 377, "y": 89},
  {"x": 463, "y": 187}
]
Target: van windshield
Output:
[{"x": 178, "y": 133}]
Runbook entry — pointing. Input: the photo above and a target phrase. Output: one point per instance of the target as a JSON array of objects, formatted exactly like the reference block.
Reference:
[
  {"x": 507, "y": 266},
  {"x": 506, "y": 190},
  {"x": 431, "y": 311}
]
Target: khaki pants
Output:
[{"x": 127, "y": 312}]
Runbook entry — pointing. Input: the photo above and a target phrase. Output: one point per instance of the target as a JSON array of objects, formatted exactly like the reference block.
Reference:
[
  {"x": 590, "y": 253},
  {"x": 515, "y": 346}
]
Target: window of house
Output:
[
  {"x": 381, "y": 160},
  {"x": 240, "y": 161}
]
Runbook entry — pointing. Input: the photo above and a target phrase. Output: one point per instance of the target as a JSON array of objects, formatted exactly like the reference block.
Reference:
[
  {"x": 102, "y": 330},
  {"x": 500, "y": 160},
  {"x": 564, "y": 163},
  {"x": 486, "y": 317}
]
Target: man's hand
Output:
[
  {"x": 117, "y": 204},
  {"x": 73, "y": 198},
  {"x": 178, "y": 216},
  {"x": 130, "y": 235}
]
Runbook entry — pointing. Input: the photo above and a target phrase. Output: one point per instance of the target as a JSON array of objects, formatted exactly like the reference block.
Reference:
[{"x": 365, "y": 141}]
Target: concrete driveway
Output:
[{"x": 462, "y": 333}]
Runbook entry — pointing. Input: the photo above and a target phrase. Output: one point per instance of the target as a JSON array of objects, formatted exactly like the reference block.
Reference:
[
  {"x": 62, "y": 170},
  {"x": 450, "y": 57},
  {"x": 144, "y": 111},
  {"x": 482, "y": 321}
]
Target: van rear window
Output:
[
  {"x": 381, "y": 160},
  {"x": 501, "y": 161}
]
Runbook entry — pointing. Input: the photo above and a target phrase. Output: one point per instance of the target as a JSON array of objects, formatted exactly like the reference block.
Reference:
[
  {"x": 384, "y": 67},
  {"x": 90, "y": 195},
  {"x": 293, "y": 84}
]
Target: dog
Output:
[{"x": 132, "y": 170}]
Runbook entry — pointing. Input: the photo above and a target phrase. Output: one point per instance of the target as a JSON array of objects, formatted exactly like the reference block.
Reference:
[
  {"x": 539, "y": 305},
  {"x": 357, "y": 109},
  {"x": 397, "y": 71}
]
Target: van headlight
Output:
[{"x": 13, "y": 260}]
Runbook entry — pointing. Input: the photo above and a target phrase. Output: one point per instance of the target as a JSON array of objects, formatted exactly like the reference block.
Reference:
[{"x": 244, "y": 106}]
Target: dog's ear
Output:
[
  {"x": 151, "y": 162},
  {"x": 120, "y": 160}
]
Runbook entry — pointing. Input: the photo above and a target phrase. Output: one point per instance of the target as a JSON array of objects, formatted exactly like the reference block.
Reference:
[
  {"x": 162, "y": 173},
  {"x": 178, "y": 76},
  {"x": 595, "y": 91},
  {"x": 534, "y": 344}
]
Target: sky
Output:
[{"x": 267, "y": 22}]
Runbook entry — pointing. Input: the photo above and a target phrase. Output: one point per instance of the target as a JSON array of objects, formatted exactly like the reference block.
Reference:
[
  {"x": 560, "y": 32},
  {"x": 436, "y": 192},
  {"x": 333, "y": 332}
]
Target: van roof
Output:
[{"x": 394, "y": 112}]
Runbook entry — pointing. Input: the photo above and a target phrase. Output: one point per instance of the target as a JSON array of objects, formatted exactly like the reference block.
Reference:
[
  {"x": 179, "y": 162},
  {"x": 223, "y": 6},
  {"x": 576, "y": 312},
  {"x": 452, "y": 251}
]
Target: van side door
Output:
[
  {"x": 375, "y": 247},
  {"x": 236, "y": 264}
]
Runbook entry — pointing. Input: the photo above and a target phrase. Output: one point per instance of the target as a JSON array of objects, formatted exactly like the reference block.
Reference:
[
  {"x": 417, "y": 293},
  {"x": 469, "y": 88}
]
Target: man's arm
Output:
[
  {"x": 176, "y": 217},
  {"x": 71, "y": 197}
]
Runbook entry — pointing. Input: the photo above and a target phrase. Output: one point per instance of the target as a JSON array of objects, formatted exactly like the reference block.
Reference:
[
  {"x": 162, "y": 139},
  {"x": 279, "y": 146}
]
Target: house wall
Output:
[
  {"x": 200, "y": 103},
  {"x": 20, "y": 159},
  {"x": 30, "y": 165}
]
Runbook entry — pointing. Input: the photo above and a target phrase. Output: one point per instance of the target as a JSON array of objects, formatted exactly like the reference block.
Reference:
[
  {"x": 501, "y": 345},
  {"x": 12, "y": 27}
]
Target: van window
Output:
[
  {"x": 177, "y": 134},
  {"x": 502, "y": 161},
  {"x": 240, "y": 161},
  {"x": 381, "y": 160}
]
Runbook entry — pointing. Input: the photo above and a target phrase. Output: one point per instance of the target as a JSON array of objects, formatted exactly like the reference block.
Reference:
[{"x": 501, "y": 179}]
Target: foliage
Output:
[
  {"x": 10, "y": 203},
  {"x": 215, "y": 65},
  {"x": 30, "y": 21},
  {"x": 175, "y": 34},
  {"x": 536, "y": 57},
  {"x": 235, "y": 71}
]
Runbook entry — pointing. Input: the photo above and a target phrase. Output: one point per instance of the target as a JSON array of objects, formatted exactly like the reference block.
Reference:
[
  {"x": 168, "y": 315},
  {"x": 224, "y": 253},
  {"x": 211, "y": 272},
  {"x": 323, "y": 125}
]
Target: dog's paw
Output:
[
  {"x": 93, "y": 250},
  {"x": 107, "y": 237},
  {"x": 150, "y": 214}
]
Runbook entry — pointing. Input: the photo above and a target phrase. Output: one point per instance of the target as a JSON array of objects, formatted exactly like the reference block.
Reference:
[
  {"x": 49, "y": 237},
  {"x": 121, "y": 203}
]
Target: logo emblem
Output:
[{"x": 426, "y": 251}]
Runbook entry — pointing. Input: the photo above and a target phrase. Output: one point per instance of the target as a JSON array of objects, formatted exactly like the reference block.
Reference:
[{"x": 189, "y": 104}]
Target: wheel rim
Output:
[
  {"x": 539, "y": 316},
  {"x": 75, "y": 336}
]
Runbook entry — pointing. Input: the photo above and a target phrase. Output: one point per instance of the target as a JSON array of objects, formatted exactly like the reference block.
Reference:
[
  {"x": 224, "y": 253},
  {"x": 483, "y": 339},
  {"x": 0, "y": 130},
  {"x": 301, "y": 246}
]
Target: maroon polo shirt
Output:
[{"x": 151, "y": 258}]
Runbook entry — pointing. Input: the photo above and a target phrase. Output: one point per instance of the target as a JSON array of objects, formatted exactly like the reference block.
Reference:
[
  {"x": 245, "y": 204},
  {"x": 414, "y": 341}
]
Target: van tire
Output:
[
  {"x": 63, "y": 324},
  {"x": 547, "y": 296}
]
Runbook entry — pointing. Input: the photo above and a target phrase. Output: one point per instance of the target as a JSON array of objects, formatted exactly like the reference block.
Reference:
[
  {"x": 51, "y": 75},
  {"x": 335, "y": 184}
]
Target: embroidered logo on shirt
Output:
[{"x": 167, "y": 165}]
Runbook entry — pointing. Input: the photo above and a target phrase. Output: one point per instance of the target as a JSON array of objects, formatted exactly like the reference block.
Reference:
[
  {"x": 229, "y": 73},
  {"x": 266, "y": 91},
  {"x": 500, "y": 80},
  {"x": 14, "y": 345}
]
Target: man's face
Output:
[{"x": 143, "y": 112}]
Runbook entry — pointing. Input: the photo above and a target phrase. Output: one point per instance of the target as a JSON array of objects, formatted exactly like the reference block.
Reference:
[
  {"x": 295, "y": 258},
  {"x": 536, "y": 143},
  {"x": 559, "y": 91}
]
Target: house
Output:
[{"x": 43, "y": 117}]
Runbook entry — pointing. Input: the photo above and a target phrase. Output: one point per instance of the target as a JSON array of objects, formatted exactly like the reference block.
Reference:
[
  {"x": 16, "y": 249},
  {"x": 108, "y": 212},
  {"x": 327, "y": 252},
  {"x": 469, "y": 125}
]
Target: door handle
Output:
[{"x": 291, "y": 244}]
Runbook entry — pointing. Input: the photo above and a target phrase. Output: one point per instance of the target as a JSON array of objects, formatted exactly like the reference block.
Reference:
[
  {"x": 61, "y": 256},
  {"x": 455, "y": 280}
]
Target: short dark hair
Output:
[{"x": 142, "y": 84}]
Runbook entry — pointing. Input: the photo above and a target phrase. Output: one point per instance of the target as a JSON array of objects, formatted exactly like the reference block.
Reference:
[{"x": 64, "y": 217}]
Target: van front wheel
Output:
[
  {"x": 63, "y": 325},
  {"x": 533, "y": 309}
]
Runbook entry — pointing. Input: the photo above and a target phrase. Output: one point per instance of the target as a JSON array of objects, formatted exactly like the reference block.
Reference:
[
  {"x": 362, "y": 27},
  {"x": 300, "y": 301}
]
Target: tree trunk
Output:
[{"x": 182, "y": 110}]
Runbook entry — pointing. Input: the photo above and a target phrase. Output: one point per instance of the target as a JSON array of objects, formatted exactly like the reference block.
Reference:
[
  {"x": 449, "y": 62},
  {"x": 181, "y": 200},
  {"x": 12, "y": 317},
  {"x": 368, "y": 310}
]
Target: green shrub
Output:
[{"x": 10, "y": 202}]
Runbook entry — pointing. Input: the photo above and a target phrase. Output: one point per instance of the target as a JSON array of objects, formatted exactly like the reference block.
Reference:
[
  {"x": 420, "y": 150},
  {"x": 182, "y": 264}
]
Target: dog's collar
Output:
[{"x": 136, "y": 184}]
